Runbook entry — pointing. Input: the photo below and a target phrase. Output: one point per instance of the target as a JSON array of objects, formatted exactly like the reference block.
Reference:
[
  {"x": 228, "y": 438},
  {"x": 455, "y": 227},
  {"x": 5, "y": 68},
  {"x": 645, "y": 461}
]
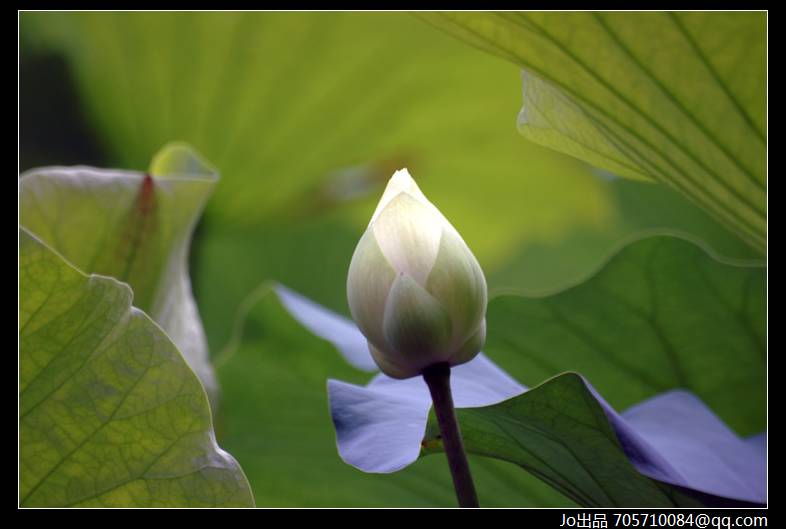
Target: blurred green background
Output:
[{"x": 306, "y": 115}]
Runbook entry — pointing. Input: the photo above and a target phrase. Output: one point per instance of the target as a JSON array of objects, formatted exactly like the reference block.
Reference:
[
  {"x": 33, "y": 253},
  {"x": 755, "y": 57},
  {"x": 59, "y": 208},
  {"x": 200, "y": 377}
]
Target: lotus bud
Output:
[{"x": 414, "y": 288}]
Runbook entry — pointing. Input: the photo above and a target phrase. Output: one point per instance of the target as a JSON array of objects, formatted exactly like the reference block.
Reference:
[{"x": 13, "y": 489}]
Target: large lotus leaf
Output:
[
  {"x": 677, "y": 97},
  {"x": 672, "y": 438},
  {"x": 562, "y": 431},
  {"x": 132, "y": 226},
  {"x": 661, "y": 314},
  {"x": 306, "y": 125},
  {"x": 110, "y": 413},
  {"x": 559, "y": 432}
]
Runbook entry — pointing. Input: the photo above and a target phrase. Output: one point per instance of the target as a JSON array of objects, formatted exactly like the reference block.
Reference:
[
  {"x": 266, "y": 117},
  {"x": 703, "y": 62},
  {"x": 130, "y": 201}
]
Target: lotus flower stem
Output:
[{"x": 437, "y": 378}]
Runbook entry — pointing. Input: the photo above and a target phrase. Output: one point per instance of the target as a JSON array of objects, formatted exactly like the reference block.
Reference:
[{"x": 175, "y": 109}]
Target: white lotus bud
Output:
[{"x": 414, "y": 288}]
